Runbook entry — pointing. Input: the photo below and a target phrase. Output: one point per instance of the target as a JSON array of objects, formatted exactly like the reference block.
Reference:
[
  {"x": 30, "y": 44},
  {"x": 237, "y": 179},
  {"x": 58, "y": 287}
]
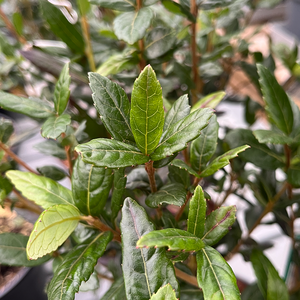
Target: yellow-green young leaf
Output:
[
  {"x": 215, "y": 276},
  {"x": 62, "y": 90},
  {"x": 131, "y": 26},
  {"x": 18, "y": 22},
  {"x": 43, "y": 191},
  {"x": 165, "y": 293},
  {"x": 55, "y": 126},
  {"x": 147, "y": 111},
  {"x": 197, "y": 213},
  {"x": 175, "y": 239},
  {"x": 52, "y": 228},
  {"x": 222, "y": 161},
  {"x": 209, "y": 101}
]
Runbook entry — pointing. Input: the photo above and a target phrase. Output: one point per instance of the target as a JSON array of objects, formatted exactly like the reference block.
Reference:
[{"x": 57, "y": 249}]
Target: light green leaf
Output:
[
  {"x": 144, "y": 270},
  {"x": 215, "y": 276},
  {"x": 110, "y": 154},
  {"x": 147, "y": 112},
  {"x": 13, "y": 251},
  {"x": 222, "y": 161},
  {"x": 116, "y": 291},
  {"x": 197, "y": 213},
  {"x": 55, "y": 126},
  {"x": 51, "y": 229},
  {"x": 52, "y": 172},
  {"x": 179, "y": 110},
  {"x": 209, "y": 101},
  {"x": 31, "y": 107},
  {"x": 43, "y": 191},
  {"x": 62, "y": 90},
  {"x": 218, "y": 223},
  {"x": 182, "y": 165},
  {"x": 165, "y": 293},
  {"x": 6, "y": 130},
  {"x": 182, "y": 132},
  {"x": 269, "y": 136},
  {"x": 203, "y": 147},
  {"x": 175, "y": 239},
  {"x": 277, "y": 101},
  {"x": 77, "y": 266},
  {"x": 131, "y": 26},
  {"x": 18, "y": 22},
  {"x": 172, "y": 193},
  {"x": 90, "y": 187},
  {"x": 113, "y": 106}
]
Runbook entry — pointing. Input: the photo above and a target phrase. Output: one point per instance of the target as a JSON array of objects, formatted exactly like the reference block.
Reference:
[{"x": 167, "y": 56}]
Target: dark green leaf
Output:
[
  {"x": 251, "y": 72},
  {"x": 293, "y": 177},
  {"x": 147, "y": 112},
  {"x": 269, "y": 136},
  {"x": 52, "y": 172},
  {"x": 203, "y": 147},
  {"x": 110, "y": 153},
  {"x": 173, "y": 193},
  {"x": 5, "y": 188},
  {"x": 131, "y": 26},
  {"x": 31, "y": 107},
  {"x": 51, "y": 229},
  {"x": 51, "y": 148},
  {"x": 218, "y": 223},
  {"x": 182, "y": 165},
  {"x": 277, "y": 102},
  {"x": 209, "y": 101},
  {"x": 55, "y": 126},
  {"x": 179, "y": 110},
  {"x": 179, "y": 175},
  {"x": 6, "y": 130},
  {"x": 252, "y": 292},
  {"x": 116, "y": 291},
  {"x": 175, "y": 239},
  {"x": 178, "y": 9},
  {"x": 77, "y": 266},
  {"x": 43, "y": 191},
  {"x": 215, "y": 276},
  {"x": 164, "y": 293},
  {"x": 90, "y": 187},
  {"x": 144, "y": 270},
  {"x": 13, "y": 251},
  {"x": 164, "y": 161},
  {"x": 182, "y": 132},
  {"x": 113, "y": 106},
  {"x": 121, "y": 5},
  {"x": 222, "y": 161},
  {"x": 197, "y": 213},
  {"x": 120, "y": 180},
  {"x": 62, "y": 90}
]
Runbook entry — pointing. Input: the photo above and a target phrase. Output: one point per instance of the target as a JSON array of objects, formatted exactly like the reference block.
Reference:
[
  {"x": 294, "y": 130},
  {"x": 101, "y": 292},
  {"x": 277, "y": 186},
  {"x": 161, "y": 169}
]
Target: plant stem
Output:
[
  {"x": 101, "y": 226},
  {"x": 88, "y": 45},
  {"x": 16, "y": 158},
  {"x": 142, "y": 62},
  {"x": 151, "y": 175},
  {"x": 11, "y": 27},
  {"x": 192, "y": 280},
  {"x": 69, "y": 158},
  {"x": 268, "y": 208}
]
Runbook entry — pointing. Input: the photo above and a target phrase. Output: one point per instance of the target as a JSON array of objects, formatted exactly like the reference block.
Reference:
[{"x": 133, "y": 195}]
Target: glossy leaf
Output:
[
  {"x": 215, "y": 276},
  {"x": 6, "y": 130},
  {"x": 13, "y": 251},
  {"x": 120, "y": 180},
  {"x": 269, "y": 282},
  {"x": 128, "y": 5},
  {"x": 182, "y": 165},
  {"x": 31, "y": 107},
  {"x": 197, "y": 213},
  {"x": 178, "y": 175},
  {"x": 269, "y": 136},
  {"x": 51, "y": 148},
  {"x": 179, "y": 110},
  {"x": 110, "y": 154},
  {"x": 209, "y": 101},
  {"x": 144, "y": 270},
  {"x": 62, "y": 90},
  {"x": 172, "y": 193},
  {"x": 131, "y": 26},
  {"x": 204, "y": 147},
  {"x": 277, "y": 101},
  {"x": 175, "y": 239},
  {"x": 259, "y": 154},
  {"x": 90, "y": 187},
  {"x": 55, "y": 126},
  {"x": 164, "y": 293},
  {"x": 52, "y": 172},
  {"x": 116, "y": 291},
  {"x": 52, "y": 228},
  {"x": 164, "y": 161},
  {"x": 147, "y": 112},
  {"x": 113, "y": 106},
  {"x": 222, "y": 161},
  {"x": 218, "y": 223},
  {"x": 43, "y": 191},
  {"x": 182, "y": 132},
  {"x": 77, "y": 266}
]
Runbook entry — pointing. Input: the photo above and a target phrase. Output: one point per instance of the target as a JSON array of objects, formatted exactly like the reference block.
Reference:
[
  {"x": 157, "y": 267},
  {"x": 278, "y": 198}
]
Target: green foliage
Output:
[
  {"x": 55, "y": 126},
  {"x": 164, "y": 293},
  {"x": 6, "y": 130}
]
